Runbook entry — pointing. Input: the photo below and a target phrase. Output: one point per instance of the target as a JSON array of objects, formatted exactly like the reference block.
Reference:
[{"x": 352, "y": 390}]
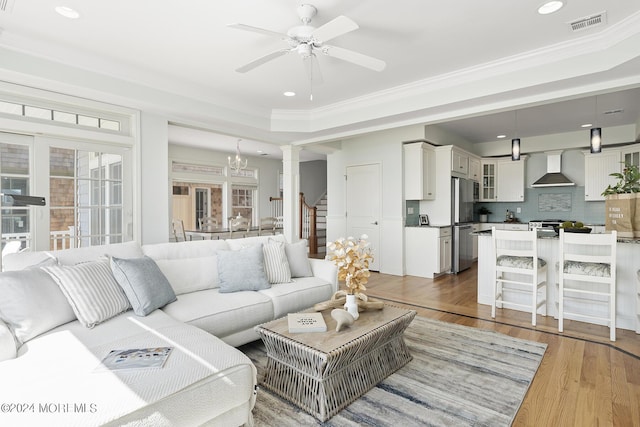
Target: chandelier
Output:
[{"x": 238, "y": 162}]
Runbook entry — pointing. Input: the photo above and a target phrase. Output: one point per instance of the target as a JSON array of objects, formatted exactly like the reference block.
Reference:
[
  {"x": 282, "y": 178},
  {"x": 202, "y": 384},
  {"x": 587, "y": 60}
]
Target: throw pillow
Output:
[
  {"x": 242, "y": 270},
  {"x": 91, "y": 289},
  {"x": 298, "y": 259},
  {"x": 143, "y": 283},
  {"x": 275, "y": 262},
  {"x": 31, "y": 303}
]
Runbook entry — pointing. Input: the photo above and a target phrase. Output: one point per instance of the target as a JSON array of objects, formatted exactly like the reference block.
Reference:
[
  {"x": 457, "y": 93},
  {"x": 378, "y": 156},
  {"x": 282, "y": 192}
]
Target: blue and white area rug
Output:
[{"x": 459, "y": 376}]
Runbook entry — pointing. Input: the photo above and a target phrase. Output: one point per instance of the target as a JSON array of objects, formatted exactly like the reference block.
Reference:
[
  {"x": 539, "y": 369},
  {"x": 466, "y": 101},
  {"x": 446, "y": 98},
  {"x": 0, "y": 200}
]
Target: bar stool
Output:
[
  {"x": 587, "y": 277},
  {"x": 518, "y": 270}
]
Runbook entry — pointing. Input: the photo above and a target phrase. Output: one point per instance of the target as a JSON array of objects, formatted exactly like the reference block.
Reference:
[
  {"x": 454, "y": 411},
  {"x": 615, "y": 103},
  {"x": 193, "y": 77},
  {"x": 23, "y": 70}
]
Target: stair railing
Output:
[{"x": 308, "y": 214}]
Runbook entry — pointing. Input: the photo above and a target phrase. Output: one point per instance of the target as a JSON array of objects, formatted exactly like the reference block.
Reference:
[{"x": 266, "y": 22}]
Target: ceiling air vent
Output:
[
  {"x": 588, "y": 22},
  {"x": 6, "y": 5}
]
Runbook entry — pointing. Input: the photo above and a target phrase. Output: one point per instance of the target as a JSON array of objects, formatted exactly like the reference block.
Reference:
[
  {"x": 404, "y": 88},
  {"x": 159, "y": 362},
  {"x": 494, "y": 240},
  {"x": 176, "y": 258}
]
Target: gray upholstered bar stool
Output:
[
  {"x": 518, "y": 270},
  {"x": 587, "y": 278}
]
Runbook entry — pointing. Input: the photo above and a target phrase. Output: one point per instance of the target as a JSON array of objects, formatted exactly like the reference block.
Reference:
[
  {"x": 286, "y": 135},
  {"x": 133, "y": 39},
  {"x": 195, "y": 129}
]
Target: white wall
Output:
[
  {"x": 313, "y": 180},
  {"x": 384, "y": 148}
]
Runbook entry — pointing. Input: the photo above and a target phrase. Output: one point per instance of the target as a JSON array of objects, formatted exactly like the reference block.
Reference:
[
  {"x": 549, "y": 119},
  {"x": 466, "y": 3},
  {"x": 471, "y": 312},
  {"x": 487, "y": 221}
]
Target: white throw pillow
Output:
[
  {"x": 275, "y": 262},
  {"x": 91, "y": 289},
  {"x": 298, "y": 259},
  {"x": 31, "y": 303}
]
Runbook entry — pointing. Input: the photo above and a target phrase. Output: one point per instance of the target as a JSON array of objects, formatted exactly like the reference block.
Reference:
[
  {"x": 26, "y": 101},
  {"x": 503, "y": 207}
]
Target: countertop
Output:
[
  {"x": 553, "y": 235},
  {"x": 427, "y": 226}
]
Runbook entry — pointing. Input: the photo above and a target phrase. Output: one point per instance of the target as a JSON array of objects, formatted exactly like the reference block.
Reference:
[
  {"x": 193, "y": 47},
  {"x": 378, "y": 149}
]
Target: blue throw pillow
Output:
[
  {"x": 242, "y": 270},
  {"x": 143, "y": 283}
]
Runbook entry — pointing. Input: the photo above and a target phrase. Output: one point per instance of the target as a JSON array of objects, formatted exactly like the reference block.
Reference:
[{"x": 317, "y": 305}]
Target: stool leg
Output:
[
  {"x": 560, "y": 306},
  {"x": 612, "y": 312}
]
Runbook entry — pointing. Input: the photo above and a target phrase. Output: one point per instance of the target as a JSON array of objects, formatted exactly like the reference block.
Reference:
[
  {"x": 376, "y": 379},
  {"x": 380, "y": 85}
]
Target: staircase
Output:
[{"x": 321, "y": 225}]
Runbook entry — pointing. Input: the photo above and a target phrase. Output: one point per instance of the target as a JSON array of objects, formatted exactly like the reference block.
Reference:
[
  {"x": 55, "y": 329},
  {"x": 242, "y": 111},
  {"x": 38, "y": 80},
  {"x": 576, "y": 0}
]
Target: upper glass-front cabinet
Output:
[{"x": 488, "y": 193}]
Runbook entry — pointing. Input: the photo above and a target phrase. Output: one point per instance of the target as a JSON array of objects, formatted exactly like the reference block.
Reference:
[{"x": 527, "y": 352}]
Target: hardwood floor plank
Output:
[{"x": 583, "y": 380}]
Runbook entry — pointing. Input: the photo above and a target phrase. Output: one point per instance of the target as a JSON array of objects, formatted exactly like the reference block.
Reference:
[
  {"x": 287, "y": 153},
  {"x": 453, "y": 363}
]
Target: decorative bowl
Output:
[{"x": 573, "y": 230}]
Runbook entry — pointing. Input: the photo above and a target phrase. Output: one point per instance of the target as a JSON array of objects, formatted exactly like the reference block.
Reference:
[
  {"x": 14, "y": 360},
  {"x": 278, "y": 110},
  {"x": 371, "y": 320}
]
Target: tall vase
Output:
[{"x": 352, "y": 306}]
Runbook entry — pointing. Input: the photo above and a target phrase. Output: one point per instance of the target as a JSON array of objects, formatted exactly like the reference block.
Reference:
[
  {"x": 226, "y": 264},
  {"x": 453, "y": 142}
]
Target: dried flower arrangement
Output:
[{"x": 352, "y": 257}]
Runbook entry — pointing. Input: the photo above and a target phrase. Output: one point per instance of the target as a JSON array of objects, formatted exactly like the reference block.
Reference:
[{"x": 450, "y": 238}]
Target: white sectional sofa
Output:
[{"x": 48, "y": 355}]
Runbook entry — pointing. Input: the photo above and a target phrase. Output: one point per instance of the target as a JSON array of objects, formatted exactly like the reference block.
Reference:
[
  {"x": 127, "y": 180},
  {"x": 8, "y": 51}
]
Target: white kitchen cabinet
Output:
[
  {"x": 488, "y": 183},
  {"x": 475, "y": 227},
  {"x": 502, "y": 180},
  {"x": 597, "y": 168},
  {"x": 427, "y": 251},
  {"x": 510, "y": 180},
  {"x": 459, "y": 163},
  {"x": 419, "y": 172},
  {"x": 631, "y": 155},
  {"x": 445, "y": 250},
  {"x": 474, "y": 169}
]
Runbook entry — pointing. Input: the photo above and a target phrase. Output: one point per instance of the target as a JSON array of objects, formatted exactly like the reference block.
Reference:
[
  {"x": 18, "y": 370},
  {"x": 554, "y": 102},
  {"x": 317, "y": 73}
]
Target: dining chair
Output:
[
  {"x": 208, "y": 223},
  {"x": 239, "y": 227},
  {"x": 177, "y": 227},
  {"x": 518, "y": 270},
  {"x": 587, "y": 278},
  {"x": 267, "y": 226}
]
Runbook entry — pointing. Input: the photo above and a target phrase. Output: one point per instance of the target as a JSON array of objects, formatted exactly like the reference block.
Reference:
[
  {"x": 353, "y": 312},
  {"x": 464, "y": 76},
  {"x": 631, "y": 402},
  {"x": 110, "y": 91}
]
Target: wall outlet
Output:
[
  {"x": 518, "y": 210},
  {"x": 410, "y": 211}
]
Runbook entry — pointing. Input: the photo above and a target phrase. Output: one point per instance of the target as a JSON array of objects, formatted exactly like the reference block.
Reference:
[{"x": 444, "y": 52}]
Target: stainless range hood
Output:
[{"x": 553, "y": 177}]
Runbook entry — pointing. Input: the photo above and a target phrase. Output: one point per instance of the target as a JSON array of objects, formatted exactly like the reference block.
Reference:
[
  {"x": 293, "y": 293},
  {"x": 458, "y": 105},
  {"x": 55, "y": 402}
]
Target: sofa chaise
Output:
[{"x": 201, "y": 298}]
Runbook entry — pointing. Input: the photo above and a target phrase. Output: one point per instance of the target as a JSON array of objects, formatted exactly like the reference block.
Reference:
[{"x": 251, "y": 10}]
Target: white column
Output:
[{"x": 291, "y": 190}]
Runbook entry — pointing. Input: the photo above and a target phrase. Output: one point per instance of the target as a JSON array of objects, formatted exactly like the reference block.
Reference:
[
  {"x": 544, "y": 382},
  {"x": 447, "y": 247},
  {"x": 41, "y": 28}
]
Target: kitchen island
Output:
[{"x": 627, "y": 288}]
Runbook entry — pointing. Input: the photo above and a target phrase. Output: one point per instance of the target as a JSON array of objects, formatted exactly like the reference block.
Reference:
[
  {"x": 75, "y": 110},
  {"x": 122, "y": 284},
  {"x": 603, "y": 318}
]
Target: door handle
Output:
[{"x": 375, "y": 223}]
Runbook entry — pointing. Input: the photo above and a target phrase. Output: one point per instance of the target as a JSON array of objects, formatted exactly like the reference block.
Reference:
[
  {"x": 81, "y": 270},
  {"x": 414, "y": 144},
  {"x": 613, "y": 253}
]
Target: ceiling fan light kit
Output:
[{"x": 307, "y": 41}]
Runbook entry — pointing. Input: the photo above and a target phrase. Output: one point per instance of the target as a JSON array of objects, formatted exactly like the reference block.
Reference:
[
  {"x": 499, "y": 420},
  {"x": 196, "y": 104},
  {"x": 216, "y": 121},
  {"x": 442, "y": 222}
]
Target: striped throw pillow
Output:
[
  {"x": 91, "y": 289},
  {"x": 275, "y": 262}
]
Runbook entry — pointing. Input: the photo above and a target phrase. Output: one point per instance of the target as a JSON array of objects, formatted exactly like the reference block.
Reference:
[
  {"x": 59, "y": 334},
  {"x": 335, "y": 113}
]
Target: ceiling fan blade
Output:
[
  {"x": 255, "y": 63},
  {"x": 355, "y": 57},
  {"x": 258, "y": 30},
  {"x": 313, "y": 70},
  {"x": 334, "y": 28}
]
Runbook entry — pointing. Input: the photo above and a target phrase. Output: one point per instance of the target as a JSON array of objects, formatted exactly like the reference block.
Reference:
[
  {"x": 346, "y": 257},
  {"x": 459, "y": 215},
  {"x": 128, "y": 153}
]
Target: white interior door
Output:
[{"x": 363, "y": 206}]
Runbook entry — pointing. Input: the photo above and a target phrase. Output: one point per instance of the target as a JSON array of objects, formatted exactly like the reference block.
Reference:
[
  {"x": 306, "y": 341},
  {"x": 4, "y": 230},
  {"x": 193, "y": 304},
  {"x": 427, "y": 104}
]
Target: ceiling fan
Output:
[{"x": 307, "y": 41}]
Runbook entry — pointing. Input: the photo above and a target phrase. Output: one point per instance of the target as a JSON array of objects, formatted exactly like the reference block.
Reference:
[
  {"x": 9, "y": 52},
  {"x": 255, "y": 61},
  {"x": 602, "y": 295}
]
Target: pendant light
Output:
[
  {"x": 595, "y": 142},
  {"x": 515, "y": 142},
  {"x": 238, "y": 162}
]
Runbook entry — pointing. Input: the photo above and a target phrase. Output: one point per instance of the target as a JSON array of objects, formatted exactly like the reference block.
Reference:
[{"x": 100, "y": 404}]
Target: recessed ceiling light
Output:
[
  {"x": 501, "y": 136},
  {"x": 550, "y": 7},
  {"x": 289, "y": 93},
  {"x": 68, "y": 12},
  {"x": 586, "y": 125}
]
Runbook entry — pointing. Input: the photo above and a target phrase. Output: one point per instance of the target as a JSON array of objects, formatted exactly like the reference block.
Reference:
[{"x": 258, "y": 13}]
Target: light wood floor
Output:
[{"x": 583, "y": 380}]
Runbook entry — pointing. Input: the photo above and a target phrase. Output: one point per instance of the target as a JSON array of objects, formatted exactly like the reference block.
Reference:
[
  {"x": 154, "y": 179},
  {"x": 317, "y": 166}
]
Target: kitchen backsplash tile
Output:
[{"x": 575, "y": 208}]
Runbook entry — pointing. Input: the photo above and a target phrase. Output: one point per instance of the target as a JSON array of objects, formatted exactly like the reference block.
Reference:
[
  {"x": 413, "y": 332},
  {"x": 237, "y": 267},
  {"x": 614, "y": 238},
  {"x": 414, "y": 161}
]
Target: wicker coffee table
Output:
[{"x": 323, "y": 372}]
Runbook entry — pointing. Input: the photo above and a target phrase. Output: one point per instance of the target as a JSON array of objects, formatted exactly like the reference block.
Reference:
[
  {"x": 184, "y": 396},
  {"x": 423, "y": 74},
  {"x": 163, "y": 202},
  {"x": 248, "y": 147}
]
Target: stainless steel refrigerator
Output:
[{"x": 462, "y": 200}]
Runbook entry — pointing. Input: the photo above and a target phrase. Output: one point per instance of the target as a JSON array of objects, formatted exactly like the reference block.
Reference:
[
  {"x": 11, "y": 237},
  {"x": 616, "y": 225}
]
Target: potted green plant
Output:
[
  {"x": 483, "y": 213},
  {"x": 621, "y": 202},
  {"x": 628, "y": 181}
]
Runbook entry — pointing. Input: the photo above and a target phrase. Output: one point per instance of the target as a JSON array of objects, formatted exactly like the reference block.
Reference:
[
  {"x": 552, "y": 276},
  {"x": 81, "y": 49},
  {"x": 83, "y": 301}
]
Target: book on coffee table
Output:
[
  {"x": 306, "y": 322},
  {"x": 134, "y": 358}
]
